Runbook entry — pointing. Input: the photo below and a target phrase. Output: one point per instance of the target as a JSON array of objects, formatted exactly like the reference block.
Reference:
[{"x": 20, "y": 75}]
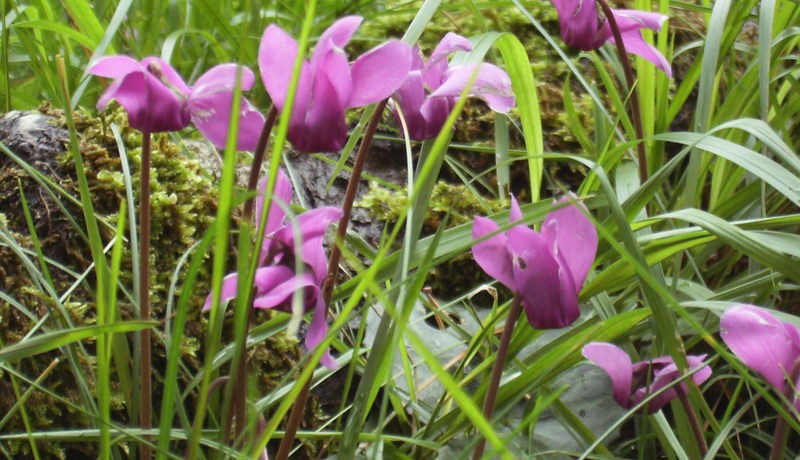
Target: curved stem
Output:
[
  {"x": 698, "y": 432},
  {"x": 634, "y": 94},
  {"x": 349, "y": 198},
  {"x": 145, "y": 388},
  {"x": 779, "y": 439},
  {"x": 497, "y": 370},
  {"x": 240, "y": 375},
  {"x": 296, "y": 415}
]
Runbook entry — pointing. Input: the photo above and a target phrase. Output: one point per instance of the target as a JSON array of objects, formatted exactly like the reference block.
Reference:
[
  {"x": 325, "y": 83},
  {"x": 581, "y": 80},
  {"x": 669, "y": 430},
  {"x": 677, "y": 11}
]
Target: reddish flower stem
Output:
[
  {"x": 698, "y": 432},
  {"x": 634, "y": 98},
  {"x": 497, "y": 370},
  {"x": 296, "y": 415},
  {"x": 779, "y": 439},
  {"x": 145, "y": 371},
  {"x": 240, "y": 376}
]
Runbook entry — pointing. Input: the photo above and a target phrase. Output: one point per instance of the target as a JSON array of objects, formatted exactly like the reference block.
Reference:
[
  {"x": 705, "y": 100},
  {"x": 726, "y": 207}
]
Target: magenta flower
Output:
[
  {"x": 581, "y": 28},
  {"x": 328, "y": 84},
  {"x": 157, "y": 99},
  {"x": 633, "y": 383},
  {"x": 764, "y": 343},
  {"x": 546, "y": 269},
  {"x": 425, "y": 114},
  {"x": 276, "y": 280}
]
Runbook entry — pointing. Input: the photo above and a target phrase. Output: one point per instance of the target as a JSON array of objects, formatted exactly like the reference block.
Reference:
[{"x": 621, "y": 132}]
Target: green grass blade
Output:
[{"x": 519, "y": 69}]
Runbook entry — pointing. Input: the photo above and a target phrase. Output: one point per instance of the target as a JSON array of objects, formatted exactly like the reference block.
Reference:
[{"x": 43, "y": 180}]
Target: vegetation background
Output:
[{"x": 715, "y": 224}]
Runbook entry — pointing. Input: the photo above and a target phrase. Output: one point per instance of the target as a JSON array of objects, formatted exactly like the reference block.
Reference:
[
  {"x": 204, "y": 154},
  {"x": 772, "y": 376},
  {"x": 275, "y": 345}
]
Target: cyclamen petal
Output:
[
  {"x": 577, "y": 240},
  {"x": 327, "y": 85},
  {"x": 491, "y": 84},
  {"x": 633, "y": 383},
  {"x": 492, "y": 254},
  {"x": 378, "y": 73},
  {"x": 157, "y": 99},
  {"x": 617, "y": 365},
  {"x": 531, "y": 264},
  {"x": 581, "y": 28},
  {"x": 277, "y": 279},
  {"x": 547, "y": 291},
  {"x": 764, "y": 343},
  {"x": 445, "y": 84}
]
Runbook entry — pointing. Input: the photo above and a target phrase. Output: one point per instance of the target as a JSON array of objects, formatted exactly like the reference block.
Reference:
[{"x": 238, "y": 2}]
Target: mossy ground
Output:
[{"x": 183, "y": 205}]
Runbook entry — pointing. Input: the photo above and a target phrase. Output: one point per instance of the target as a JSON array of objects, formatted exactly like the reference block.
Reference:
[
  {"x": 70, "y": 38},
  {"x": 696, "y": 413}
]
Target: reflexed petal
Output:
[
  {"x": 316, "y": 332},
  {"x": 314, "y": 223},
  {"x": 492, "y": 84},
  {"x": 548, "y": 303},
  {"x": 341, "y": 31},
  {"x": 435, "y": 70},
  {"x": 696, "y": 361},
  {"x": 417, "y": 61},
  {"x": 492, "y": 254},
  {"x": 378, "y": 73},
  {"x": 410, "y": 97},
  {"x": 151, "y": 106},
  {"x": 325, "y": 129},
  {"x": 515, "y": 215},
  {"x": 115, "y": 66},
  {"x": 566, "y": 8},
  {"x": 759, "y": 340},
  {"x": 211, "y": 115},
  {"x": 282, "y": 193},
  {"x": 579, "y": 24},
  {"x": 279, "y": 287},
  {"x": 334, "y": 67},
  {"x": 634, "y": 19},
  {"x": 635, "y": 43},
  {"x": 334, "y": 38},
  {"x": 222, "y": 79},
  {"x": 229, "y": 288},
  {"x": 270, "y": 276},
  {"x": 276, "y": 55},
  {"x": 156, "y": 66},
  {"x": 575, "y": 238},
  {"x": 435, "y": 110},
  {"x": 617, "y": 365},
  {"x": 662, "y": 377}
]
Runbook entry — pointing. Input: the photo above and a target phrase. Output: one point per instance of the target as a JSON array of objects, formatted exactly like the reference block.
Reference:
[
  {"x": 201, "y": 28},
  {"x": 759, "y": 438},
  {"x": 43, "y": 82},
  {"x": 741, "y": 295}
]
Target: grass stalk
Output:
[{"x": 497, "y": 370}]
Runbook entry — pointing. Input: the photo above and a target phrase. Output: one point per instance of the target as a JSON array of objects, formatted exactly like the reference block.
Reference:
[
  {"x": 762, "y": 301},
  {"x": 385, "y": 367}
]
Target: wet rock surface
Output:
[{"x": 385, "y": 160}]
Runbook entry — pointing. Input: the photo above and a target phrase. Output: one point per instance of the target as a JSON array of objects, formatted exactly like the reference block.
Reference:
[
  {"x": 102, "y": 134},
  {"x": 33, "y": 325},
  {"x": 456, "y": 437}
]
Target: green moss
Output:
[{"x": 457, "y": 200}]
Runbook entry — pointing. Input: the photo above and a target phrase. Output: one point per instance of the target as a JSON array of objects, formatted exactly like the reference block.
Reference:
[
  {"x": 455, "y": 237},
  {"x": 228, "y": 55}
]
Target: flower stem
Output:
[
  {"x": 497, "y": 370},
  {"x": 698, "y": 432},
  {"x": 634, "y": 94},
  {"x": 145, "y": 389},
  {"x": 779, "y": 439},
  {"x": 296, "y": 415},
  {"x": 258, "y": 160},
  {"x": 240, "y": 376},
  {"x": 349, "y": 198}
]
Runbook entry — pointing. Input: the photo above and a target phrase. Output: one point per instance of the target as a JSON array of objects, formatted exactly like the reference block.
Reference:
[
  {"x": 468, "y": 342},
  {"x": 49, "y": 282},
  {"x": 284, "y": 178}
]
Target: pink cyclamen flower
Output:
[
  {"x": 546, "y": 269},
  {"x": 425, "y": 114},
  {"x": 765, "y": 344},
  {"x": 276, "y": 279},
  {"x": 328, "y": 84},
  {"x": 633, "y": 383},
  {"x": 157, "y": 99},
  {"x": 581, "y": 28}
]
